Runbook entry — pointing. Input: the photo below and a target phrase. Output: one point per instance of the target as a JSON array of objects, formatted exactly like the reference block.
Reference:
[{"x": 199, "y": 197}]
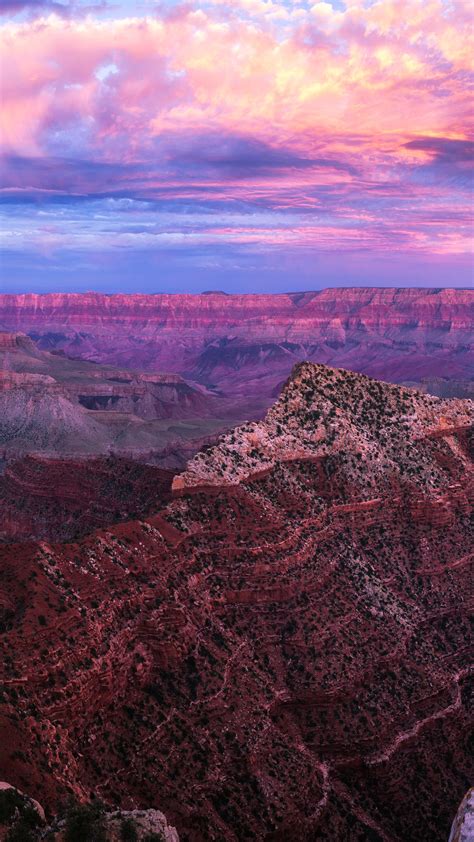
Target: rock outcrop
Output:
[
  {"x": 23, "y": 818},
  {"x": 283, "y": 651},
  {"x": 463, "y": 825},
  {"x": 324, "y": 411}
]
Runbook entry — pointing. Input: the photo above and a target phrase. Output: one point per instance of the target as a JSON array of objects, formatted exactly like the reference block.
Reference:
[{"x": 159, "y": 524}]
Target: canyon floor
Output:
[{"x": 282, "y": 650}]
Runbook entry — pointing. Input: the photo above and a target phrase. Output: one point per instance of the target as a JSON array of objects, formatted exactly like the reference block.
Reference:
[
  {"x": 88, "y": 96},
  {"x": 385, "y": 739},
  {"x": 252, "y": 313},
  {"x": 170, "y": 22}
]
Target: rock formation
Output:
[
  {"x": 56, "y": 406},
  {"x": 282, "y": 652},
  {"x": 247, "y": 344},
  {"x": 463, "y": 825},
  {"x": 23, "y": 818},
  {"x": 60, "y": 499}
]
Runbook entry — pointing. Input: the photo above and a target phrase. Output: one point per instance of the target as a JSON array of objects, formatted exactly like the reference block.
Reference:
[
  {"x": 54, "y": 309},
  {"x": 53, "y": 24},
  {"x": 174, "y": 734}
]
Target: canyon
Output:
[
  {"x": 157, "y": 377},
  {"x": 51, "y": 405},
  {"x": 280, "y": 648},
  {"x": 246, "y": 345}
]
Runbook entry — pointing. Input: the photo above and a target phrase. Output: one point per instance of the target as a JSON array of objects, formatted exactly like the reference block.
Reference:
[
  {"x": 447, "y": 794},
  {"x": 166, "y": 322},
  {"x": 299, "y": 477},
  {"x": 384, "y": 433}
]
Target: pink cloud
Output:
[
  {"x": 343, "y": 107},
  {"x": 383, "y": 68}
]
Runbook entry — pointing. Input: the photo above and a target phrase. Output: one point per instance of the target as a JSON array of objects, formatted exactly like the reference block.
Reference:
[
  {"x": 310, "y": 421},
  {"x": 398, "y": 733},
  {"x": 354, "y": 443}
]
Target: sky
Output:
[{"x": 252, "y": 145}]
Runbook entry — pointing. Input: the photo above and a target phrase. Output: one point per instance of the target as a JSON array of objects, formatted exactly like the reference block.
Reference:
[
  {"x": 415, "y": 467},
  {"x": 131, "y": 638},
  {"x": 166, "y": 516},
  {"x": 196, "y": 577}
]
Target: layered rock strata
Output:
[
  {"x": 283, "y": 652},
  {"x": 249, "y": 342}
]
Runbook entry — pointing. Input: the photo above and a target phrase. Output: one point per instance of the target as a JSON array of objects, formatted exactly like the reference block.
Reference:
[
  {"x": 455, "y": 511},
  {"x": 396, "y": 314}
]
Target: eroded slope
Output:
[
  {"x": 283, "y": 652},
  {"x": 61, "y": 499},
  {"x": 53, "y": 405}
]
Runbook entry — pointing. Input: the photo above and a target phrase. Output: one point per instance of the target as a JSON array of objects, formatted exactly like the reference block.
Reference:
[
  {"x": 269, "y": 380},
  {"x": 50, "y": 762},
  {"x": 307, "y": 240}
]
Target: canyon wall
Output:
[
  {"x": 64, "y": 498},
  {"x": 395, "y": 334},
  {"x": 56, "y": 406},
  {"x": 283, "y": 651}
]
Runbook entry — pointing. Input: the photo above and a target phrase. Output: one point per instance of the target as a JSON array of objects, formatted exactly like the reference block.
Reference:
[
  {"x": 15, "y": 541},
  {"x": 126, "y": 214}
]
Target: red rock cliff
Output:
[
  {"x": 394, "y": 333},
  {"x": 284, "y": 654}
]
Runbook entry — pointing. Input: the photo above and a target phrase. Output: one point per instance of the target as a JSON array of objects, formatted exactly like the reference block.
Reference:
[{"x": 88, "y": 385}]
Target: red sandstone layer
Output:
[
  {"x": 396, "y": 334},
  {"x": 286, "y": 657}
]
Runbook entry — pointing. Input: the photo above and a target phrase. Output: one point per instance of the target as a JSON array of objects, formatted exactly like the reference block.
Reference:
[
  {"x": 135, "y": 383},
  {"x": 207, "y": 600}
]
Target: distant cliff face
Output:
[
  {"x": 280, "y": 653},
  {"x": 395, "y": 334},
  {"x": 55, "y": 405}
]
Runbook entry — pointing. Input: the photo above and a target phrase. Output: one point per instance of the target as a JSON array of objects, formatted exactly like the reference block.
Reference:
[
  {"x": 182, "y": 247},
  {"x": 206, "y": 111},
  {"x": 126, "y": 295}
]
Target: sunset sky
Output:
[{"x": 246, "y": 145}]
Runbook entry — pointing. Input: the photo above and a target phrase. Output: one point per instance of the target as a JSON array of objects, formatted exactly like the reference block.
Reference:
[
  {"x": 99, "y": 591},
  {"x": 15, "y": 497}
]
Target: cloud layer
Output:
[{"x": 244, "y": 130}]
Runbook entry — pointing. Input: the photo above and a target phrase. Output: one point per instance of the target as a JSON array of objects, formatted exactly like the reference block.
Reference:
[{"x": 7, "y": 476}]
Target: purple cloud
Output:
[
  {"x": 240, "y": 157},
  {"x": 452, "y": 161}
]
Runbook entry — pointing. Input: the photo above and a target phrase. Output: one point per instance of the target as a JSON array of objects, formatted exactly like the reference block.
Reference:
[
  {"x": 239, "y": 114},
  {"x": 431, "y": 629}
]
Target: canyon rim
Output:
[{"x": 236, "y": 421}]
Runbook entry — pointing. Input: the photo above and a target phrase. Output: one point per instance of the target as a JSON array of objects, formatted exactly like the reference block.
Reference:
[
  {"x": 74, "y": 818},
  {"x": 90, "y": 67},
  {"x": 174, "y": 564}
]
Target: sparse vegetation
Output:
[
  {"x": 128, "y": 830},
  {"x": 85, "y": 822}
]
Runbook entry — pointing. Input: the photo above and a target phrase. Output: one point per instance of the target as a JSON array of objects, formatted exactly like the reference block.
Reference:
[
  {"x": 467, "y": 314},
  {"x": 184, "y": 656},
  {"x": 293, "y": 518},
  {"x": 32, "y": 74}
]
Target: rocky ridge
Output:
[
  {"x": 22, "y": 819},
  {"x": 280, "y": 653},
  {"x": 324, "y": 411}
]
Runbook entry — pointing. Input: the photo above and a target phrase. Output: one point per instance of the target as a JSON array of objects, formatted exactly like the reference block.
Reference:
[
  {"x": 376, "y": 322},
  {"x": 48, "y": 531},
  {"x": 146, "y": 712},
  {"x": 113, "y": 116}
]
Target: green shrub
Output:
[
  {"x": 128, "y": 831},
  {"x": 10, "y": 800},
  {"x": 13, "y": 803},
  {"x": 21, "y": 832},
  {"x": 85, "y": 823}
]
